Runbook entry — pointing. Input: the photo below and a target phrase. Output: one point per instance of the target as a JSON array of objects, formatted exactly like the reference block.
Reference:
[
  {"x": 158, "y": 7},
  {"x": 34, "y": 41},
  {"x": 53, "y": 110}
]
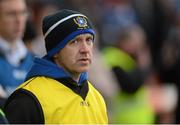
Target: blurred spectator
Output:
[
  {"x": 15, "y": 60},
  {"x": 130, "y": 60}
]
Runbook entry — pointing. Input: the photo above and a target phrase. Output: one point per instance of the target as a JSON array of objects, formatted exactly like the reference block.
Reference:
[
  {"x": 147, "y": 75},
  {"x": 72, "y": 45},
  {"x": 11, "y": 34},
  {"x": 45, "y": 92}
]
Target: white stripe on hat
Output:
[{"x": 61, "y": 21}]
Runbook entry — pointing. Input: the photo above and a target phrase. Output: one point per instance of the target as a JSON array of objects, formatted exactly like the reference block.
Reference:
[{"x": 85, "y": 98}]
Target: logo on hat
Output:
[{"x": 81, "y": 22}]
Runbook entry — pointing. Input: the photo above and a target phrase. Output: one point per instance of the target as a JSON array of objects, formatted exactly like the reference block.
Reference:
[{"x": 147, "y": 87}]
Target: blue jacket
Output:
[{"x": 12, "y": 76}]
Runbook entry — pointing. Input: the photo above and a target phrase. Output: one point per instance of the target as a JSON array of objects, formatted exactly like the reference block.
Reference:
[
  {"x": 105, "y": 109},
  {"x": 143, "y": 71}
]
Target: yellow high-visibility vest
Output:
[{"x": 61, "y": 105}]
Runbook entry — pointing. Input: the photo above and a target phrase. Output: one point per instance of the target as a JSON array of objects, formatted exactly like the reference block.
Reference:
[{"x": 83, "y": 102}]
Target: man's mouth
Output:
[{"x": 84, "y": 60}]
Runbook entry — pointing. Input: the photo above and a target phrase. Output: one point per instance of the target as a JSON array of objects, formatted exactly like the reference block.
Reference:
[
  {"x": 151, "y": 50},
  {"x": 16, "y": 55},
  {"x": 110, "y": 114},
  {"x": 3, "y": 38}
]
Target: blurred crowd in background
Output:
[{"x": 136, "y": 62}]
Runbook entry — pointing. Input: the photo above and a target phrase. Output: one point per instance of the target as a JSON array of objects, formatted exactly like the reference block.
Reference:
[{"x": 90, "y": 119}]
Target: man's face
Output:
[
  {"x": 76, "y": 56},
  {"x": 13, "y": 15}
]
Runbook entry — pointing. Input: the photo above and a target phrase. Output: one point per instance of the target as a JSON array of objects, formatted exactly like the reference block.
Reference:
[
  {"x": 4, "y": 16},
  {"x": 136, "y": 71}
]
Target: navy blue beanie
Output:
[{"x": 61, "y": 27}]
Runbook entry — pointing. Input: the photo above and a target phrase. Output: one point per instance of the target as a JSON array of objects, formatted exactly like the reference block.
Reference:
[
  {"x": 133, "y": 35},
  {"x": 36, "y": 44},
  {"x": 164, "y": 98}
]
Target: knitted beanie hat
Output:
[{"x": 61, "y": 27}]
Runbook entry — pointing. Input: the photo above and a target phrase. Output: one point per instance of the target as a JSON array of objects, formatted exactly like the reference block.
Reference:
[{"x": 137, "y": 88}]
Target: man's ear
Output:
[{"x": 55, "y": 56}]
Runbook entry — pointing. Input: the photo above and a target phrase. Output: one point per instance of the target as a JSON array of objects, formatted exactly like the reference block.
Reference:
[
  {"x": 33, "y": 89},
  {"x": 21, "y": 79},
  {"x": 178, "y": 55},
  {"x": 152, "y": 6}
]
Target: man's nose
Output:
[{"x": 84, "y": 47}]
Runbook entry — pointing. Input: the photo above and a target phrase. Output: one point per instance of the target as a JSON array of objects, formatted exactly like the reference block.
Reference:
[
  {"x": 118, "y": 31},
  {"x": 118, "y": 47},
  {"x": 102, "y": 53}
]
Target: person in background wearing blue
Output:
[{"x": 15, "y": 59}]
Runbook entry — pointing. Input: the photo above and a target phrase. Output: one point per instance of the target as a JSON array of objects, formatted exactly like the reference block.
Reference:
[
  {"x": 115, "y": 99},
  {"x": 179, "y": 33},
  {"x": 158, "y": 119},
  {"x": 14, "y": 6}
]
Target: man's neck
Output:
[{"x": 75, "y": 77}]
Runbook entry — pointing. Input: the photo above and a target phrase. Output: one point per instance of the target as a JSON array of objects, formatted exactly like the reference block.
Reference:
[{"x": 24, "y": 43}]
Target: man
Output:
[
  {"x": 57, "y": 90},
  {"x": 15, "y": 60}
]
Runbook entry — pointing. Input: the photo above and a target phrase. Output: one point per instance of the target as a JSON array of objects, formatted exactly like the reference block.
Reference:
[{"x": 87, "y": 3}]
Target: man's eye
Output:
[
  {"x": 74, "y": 42},
  {"x": 89, "y": 40}
]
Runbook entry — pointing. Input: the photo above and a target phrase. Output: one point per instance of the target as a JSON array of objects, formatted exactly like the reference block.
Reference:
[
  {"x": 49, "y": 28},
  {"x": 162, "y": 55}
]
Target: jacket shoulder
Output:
[{"x": 23, "y": 107}]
